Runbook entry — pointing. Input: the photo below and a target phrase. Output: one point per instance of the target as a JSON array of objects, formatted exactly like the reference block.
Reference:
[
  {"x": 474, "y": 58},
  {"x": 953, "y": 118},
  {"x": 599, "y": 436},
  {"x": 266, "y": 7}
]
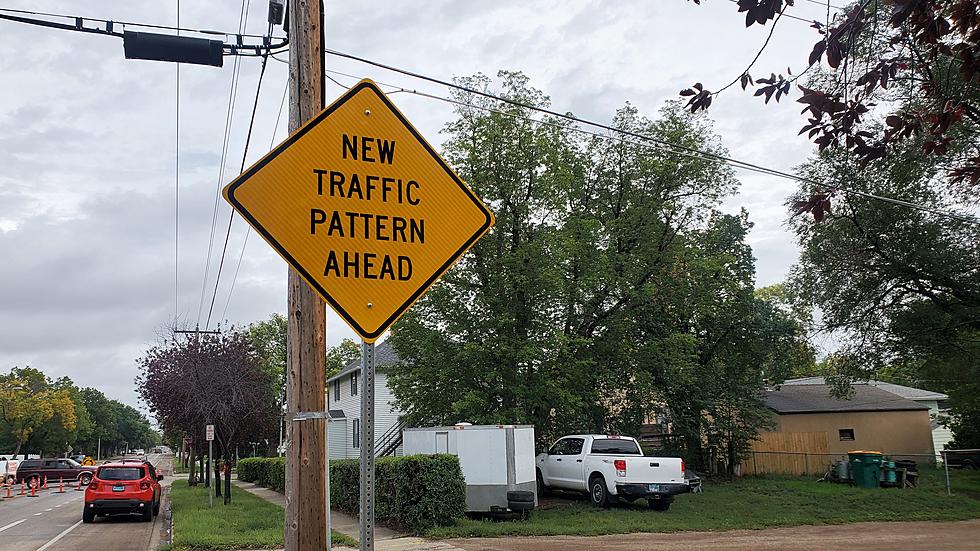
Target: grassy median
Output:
[
  {"x": 250, "y": 522},
  {"x": 747, "y": 503}
]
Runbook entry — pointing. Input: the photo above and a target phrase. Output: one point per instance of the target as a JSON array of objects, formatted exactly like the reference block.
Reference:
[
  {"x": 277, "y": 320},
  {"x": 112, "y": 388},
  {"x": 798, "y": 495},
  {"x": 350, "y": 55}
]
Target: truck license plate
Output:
[
  {"x": 654, "y": 487},
  {"x": 118, "y": 488}
]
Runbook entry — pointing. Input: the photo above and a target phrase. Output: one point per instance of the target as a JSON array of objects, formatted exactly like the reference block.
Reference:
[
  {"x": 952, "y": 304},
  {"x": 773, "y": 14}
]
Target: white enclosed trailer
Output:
[{"x": 497, "y": 462}]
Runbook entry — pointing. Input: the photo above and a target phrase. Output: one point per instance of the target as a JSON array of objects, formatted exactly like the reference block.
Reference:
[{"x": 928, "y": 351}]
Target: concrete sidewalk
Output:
[{"x": 385, "y": 539}]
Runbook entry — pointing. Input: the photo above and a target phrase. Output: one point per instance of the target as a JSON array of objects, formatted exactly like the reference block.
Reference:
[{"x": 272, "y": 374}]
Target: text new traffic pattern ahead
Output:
[{"x": 361, "y": 206}]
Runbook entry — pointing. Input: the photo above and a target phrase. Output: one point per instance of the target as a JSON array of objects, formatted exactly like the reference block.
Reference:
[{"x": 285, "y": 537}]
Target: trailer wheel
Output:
[{"x": 598, "y": 492}]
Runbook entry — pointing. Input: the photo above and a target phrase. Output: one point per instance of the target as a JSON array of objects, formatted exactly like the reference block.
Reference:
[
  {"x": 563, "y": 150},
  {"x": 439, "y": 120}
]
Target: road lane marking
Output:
[
  {"x": 48, "y": 509},
  {"x": 12, "y": 524},
  {"x": 38, "y": 514},
  {"x": 57, "y": 538}
]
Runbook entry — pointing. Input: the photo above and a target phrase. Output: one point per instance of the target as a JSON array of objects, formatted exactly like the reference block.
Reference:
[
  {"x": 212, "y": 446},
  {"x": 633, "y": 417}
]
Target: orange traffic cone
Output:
[
  {"x": 33, "y": 490},
  {"x": 45, "y": 485},
  {"x": 79, "y": 488},
  {"x": 61, "y": 485},
  {"x": 9, "y": 483},
  {"x": 21, "y": 487}
]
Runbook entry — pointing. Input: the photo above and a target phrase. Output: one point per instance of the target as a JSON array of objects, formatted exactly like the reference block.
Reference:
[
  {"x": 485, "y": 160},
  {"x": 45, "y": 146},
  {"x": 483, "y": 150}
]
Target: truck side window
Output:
[
  {"x": 559, "y": 447},
  {"x": 574, "y": 446}
]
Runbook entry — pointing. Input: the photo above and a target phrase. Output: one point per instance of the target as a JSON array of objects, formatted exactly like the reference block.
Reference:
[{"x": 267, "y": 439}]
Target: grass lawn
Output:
[
  {"x": 751, "y": 503},
  {"x": 250, "y": 522}
]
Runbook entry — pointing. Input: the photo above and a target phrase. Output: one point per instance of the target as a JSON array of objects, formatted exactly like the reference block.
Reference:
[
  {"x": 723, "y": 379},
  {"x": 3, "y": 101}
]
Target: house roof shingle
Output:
[
  {"x": 811, "y": 398},
  {"x": 898, "y": 390},
  {"x": 384, "y": 356}
]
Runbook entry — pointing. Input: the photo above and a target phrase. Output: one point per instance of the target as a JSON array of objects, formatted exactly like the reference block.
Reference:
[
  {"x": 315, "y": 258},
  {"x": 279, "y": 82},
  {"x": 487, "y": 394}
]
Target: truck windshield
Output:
[{"x": 617, "y": 446}]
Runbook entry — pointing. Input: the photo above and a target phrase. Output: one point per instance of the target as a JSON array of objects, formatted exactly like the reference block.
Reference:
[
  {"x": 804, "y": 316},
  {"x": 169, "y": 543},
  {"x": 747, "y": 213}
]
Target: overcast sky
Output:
[{"x": 87, "y": 147}]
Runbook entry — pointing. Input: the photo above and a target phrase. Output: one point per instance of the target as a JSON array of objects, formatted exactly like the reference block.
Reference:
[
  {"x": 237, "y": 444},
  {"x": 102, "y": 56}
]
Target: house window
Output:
[
  {"x": 846, "y": 434},
  {"x": 357, "y": 432},
  {"x": 353, "y": 384},
  {"x": 336, "y": 390}
]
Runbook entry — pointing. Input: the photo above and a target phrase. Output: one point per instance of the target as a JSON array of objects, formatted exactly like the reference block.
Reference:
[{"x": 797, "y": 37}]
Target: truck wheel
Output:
[
  {"x": 543, "y": 489},
  {"x": 88, "y": 517},
  {"x": 85, "y": 478},
  {"x": 34, "y": 482},
  {"x": 969, "y": 465},
  {"x": 661, "y": 504},
  {"x": 598, "y": 492},
  {"x": 147, "y": 512},
  {"x": 156, "y": 508}
]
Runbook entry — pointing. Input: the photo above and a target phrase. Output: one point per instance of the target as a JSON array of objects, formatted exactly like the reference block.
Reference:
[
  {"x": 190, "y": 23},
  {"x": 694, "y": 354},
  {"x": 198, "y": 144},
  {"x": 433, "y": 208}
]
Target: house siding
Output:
[
  {"x": 891, "y": 432},
  {"x": 385, "y": 414}
]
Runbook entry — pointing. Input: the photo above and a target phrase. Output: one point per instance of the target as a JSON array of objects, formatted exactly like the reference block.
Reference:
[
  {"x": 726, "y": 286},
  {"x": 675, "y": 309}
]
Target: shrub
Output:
[
  {"x": 249, "y": 467},
  {"x": 413, "y": 493}
]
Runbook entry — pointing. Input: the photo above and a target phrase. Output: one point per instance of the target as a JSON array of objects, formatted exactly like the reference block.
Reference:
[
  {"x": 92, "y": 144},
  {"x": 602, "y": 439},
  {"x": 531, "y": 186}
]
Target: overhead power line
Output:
[
  {"x": 176, "y": 28},
  {"x": 248, "y": 230},
  {"x": 231, "y": 217},
  {"x": 677, "y": 148},
  {"x": 177, "y": 184},
  {"x": 226, "y": 137}
]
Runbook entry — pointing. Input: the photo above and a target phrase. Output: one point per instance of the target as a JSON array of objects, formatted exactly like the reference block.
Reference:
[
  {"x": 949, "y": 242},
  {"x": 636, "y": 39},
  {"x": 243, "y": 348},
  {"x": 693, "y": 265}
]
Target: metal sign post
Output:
[
  {"x": 209, "y": 435},
  {"x": 367, "y": 446}
]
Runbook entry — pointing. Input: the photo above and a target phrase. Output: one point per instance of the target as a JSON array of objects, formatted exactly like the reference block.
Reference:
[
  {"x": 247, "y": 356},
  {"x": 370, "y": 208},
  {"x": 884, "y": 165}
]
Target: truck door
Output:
[
  {"x": 572, "y": 467},
  {"x": 562, "y": 465}
]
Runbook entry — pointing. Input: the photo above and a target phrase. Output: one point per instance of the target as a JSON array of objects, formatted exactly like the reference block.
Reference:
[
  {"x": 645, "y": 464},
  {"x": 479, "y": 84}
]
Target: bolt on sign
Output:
[{"x": 362, "y": 207}]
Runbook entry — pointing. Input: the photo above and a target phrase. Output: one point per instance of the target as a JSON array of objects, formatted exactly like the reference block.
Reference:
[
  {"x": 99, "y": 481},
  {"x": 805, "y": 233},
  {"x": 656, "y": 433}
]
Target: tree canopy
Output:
[
  {"x": 896, "y": 71},
  {"x": 41, "y": 415},
  {"x": 611, "y": 292},
  {"x": 899, "y": 290}
]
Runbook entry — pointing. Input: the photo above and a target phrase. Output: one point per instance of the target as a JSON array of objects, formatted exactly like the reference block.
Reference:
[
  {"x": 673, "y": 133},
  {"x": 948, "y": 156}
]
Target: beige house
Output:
[{"x": 871, "y": 419}]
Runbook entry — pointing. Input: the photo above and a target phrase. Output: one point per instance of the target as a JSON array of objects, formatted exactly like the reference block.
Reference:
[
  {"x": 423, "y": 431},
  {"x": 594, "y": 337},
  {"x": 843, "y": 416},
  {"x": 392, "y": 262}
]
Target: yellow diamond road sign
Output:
[{"x": 362, "y": 207}]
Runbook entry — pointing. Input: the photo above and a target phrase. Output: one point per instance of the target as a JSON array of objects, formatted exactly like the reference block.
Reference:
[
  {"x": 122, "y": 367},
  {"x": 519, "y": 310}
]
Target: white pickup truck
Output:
[{"x": 608, "y": 468}]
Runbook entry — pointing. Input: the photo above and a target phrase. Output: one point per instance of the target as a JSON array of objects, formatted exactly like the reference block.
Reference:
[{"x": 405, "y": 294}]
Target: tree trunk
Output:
[
  {"x": 227, "y": 468},
  {"x": 217, "y": 479},
  {"x": 191, "y": 481},
  {"x": 203, "y": 466}
]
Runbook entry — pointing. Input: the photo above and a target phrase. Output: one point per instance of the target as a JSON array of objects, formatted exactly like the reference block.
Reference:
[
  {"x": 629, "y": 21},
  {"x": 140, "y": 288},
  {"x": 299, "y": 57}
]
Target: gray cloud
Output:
[{"x": 87, "y": 148}]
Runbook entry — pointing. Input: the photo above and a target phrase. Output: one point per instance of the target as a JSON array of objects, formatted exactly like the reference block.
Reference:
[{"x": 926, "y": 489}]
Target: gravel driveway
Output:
[{"x": 866, "y": 536}]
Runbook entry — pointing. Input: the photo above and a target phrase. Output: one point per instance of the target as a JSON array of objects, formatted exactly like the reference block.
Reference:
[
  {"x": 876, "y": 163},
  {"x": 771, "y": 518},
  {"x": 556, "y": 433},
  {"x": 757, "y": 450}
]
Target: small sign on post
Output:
[{"x": 209, "y": 436}]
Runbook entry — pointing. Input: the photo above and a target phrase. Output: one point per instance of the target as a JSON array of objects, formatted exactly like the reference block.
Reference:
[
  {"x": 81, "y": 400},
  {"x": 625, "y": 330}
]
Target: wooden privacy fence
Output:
[
  {"x": 798, "y": 453},
  {"x": 803, "y": 453}
]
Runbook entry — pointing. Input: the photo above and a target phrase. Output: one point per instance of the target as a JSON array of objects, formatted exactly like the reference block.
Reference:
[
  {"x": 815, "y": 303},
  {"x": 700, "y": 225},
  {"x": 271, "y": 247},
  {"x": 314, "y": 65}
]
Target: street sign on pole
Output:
[
  {"x": 362, "y": 207},
  {"x": 370, "y": 216},
  {"x": 209, "y": 436}
]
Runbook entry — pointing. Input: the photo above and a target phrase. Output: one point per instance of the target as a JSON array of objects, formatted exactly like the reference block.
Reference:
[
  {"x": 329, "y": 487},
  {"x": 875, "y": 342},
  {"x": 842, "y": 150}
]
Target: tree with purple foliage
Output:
[{"x": 210, "y": 379}]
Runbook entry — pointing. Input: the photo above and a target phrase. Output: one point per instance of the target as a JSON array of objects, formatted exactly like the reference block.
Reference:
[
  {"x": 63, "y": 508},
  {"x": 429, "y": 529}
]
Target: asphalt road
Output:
[{"x": 54, "y": 521}]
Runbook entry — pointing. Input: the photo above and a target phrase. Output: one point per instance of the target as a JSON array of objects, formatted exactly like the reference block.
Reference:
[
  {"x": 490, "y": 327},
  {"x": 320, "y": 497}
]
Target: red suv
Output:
[{"x": 123, "y": 488}]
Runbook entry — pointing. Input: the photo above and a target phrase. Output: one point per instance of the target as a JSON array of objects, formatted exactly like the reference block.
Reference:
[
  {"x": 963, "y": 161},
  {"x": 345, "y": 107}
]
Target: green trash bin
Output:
[{"x": 865, "y": 468}]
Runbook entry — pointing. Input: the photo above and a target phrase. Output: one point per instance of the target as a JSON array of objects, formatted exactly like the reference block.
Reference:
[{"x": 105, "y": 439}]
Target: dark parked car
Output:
[
  {"x": 33, "y": 471},
  {"x": 965, "y": 459}
]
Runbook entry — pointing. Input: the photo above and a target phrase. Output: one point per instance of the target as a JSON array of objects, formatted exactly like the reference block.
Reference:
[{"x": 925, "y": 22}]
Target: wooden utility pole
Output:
[{"x": 306, "y": 509}]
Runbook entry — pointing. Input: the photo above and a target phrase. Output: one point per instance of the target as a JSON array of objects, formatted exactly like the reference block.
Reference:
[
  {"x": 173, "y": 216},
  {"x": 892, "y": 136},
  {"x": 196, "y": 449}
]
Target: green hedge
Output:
[
  {"x": 414, "y": 493},
  {"x": 264, "y": 471}
]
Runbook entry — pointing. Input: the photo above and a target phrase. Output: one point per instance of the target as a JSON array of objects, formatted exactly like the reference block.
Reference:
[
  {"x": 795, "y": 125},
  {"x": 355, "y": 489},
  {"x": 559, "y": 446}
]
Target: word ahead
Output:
[{"x": 361, "y": 206}]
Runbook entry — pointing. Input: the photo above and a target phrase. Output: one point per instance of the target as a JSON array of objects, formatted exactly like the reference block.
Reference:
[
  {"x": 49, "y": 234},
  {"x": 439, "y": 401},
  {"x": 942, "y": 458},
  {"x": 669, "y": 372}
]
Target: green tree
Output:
[
  {"x": 611, "y": 292},
  {"x": 36, "y": 413},
  {"x": 340, "y": 356}
]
